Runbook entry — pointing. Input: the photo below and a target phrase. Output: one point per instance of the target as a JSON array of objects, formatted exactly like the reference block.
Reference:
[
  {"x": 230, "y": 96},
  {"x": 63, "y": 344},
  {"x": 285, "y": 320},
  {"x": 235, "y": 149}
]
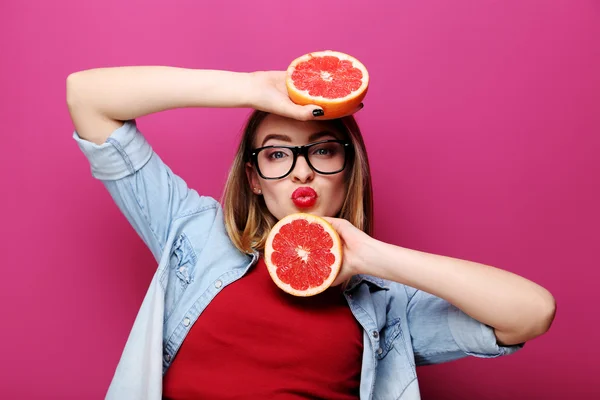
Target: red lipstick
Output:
[{"x": 304, "y": 197}]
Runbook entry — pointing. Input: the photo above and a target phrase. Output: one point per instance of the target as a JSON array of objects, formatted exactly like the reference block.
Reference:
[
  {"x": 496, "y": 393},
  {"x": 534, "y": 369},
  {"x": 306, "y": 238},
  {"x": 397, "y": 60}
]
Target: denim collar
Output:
[{"x": 373, "y": 281}]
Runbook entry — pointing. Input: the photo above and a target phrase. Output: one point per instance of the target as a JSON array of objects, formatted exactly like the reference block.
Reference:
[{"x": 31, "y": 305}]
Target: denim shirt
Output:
[{"x": 402, "y": 327}]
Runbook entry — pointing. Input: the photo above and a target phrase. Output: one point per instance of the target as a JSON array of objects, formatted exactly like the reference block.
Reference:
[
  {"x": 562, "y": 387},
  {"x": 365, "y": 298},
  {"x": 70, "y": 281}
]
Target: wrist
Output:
[
  {"x": 383, "y": 260},
  {"x": 368, "y": 256},
  {"x": 252, "y": 90}
]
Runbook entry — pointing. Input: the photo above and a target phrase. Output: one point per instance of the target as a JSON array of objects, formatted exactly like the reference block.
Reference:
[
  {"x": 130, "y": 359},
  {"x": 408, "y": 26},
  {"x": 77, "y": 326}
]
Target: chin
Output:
[{"x": 317, "y": 212}]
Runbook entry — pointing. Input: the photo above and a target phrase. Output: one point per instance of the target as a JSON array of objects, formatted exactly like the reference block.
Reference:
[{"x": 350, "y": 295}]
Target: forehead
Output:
[{"x": 298, "y": 131}]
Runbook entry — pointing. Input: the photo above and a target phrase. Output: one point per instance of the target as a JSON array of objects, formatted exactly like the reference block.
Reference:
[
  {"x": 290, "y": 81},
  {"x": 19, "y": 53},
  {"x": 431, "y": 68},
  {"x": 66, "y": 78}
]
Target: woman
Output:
[{"x": 203, "y": 332}]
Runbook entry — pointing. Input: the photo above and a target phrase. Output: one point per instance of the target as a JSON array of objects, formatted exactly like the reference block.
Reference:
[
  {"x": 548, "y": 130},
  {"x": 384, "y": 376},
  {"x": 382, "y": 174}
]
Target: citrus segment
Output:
[
  {"x": 303, "y": 254},
  {"x": 328, "y": 77},
  {"x": 335, "y": 81}
]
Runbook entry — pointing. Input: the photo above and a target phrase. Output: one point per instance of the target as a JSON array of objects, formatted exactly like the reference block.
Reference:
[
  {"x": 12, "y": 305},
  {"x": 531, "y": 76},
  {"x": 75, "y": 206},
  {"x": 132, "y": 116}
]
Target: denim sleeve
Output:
[
  {"x": 144, "y": 188},
  {"x": 440, "y": 332}
]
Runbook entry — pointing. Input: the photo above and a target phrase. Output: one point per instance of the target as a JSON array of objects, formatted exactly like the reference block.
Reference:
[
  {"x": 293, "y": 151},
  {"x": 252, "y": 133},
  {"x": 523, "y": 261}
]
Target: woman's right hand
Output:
[{"x": 272, "y": 96}]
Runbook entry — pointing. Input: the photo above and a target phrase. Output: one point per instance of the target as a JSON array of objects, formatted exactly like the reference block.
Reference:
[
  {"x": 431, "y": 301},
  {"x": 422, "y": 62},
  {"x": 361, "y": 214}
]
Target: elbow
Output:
[
  {"x": 541, "y": 317},
  {"x": 72, "y": 85},
  {"x": 545, "y": 314},
  {"x": 534, "y": 323}
]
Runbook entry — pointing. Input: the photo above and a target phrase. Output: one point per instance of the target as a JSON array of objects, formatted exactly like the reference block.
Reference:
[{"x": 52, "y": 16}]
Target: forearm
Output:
[
  {"x": 124, "y": 93},
  {"x": 515, "y": 307}
]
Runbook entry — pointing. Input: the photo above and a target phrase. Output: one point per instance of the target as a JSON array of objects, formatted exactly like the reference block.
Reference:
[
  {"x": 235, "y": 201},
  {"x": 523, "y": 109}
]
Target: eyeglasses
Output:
[{"x": 326, "y": 157}]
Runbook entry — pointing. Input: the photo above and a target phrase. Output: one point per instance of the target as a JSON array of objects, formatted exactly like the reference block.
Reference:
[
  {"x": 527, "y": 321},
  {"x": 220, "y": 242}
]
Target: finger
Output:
[
  {"x": 335, "y": 222},
  {"x": 338, "y": 226},
  {"x": 307, "y": 112},
  {"x": 338, "y": 280},
  {"x": 325, "y": 117},
  {"x": 342, "y": 277},
  {"x": 287, "y": 108},
  {"x": 357, "y": 109}
]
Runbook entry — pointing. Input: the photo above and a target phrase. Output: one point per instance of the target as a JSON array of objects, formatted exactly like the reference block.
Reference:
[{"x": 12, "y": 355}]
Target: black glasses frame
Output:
[{"x": 303, "y": 150}]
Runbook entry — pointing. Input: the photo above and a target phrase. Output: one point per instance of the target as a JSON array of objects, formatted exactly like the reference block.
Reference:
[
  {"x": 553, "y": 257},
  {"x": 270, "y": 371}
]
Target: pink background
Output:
[{"x": 482, "y": 125}]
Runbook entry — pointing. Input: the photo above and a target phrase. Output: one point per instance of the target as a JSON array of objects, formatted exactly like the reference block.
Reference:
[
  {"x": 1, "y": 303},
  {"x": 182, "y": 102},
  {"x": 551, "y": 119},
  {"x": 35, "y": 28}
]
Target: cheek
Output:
[
  {"x": 275, "y": 192},
  {"x": 340, "y": 183},
  {"x": 275, "y": 196},
  {"x": 270, "y": 187},
  {"x": 337, "y": 188}
]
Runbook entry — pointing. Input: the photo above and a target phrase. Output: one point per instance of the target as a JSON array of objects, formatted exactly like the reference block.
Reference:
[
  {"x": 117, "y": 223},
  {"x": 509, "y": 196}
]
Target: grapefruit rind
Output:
[
  {"x": 333, "y": 108},
  {"x": 336, "y": 250}
]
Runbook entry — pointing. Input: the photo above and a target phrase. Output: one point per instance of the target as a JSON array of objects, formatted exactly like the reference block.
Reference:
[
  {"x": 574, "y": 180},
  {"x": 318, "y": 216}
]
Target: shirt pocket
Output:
[
  {"x": 180, "y": 274},
  {"x": 394, "y": 370}
]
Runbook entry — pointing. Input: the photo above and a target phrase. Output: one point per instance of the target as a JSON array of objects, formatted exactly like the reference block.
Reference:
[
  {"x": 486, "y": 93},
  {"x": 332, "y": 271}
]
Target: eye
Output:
[
  {"x": 322, "y": 152},
  {"x": 276, "y": 155},
  {"x": 326, "y": 150}
]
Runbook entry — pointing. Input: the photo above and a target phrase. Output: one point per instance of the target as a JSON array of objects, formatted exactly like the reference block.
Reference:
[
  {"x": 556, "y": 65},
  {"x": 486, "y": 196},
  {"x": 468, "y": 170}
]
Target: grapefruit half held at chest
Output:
[
  {"x": 303, "y": 254},
  {"x": 335, "y": 81}
]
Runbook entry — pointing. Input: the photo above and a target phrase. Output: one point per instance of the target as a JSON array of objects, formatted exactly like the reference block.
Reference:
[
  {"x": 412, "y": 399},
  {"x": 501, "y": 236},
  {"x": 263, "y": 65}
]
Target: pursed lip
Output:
[{"x": 304, "y": 197}]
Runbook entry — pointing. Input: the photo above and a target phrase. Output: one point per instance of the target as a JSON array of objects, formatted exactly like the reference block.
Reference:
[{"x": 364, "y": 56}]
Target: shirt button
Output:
[
  {"x": 218, "y": 284},
  {"x": 379, "y": 351},
  {"x": 182, "y": 269},
  {"x": 167, "y": 357},
  {"x": 186, "y": 321},
  {"x": 375, "y": 334}
]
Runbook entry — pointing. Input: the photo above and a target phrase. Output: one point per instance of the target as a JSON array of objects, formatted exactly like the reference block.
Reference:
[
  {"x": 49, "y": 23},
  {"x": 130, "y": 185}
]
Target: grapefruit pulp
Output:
[
  {"x": 335, "y": 81},
  {"x": 303, "y": 254}
]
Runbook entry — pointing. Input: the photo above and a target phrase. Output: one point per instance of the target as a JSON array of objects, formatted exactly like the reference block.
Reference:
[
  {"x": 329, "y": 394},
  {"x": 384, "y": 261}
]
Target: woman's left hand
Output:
[{"x": 354, "y": 247}]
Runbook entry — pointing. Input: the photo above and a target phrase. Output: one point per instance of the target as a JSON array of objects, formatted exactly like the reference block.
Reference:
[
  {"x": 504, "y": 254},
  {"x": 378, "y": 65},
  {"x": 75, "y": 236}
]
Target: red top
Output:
[{"x": 255, "y": 341}]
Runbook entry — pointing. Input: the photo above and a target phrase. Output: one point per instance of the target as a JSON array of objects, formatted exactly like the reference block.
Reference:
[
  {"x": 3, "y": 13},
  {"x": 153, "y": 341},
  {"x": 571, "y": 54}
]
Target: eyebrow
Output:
[{"x": 286, "y": 138}]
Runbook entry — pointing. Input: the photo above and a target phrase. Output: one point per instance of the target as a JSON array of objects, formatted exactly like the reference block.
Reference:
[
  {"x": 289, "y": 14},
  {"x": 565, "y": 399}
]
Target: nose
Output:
[{"x": 302, "y": 172}]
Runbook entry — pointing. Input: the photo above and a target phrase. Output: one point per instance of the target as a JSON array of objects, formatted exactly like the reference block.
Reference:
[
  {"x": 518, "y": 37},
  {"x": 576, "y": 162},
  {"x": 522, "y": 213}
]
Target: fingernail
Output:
[{"x": 318, "y": 113}]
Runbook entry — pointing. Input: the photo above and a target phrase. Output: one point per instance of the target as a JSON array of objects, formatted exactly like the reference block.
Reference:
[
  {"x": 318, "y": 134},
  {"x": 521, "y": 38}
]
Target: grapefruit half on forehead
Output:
[
  {"x": 335, "y": 81},
  {"x": 303, "y": 254}
]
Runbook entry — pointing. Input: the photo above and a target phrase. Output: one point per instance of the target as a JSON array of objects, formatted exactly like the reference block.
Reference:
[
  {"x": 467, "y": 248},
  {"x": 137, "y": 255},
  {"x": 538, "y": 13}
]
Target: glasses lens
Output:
[
  {"x": 275, "y": 161},
  {"x": 327, "y": 157}
]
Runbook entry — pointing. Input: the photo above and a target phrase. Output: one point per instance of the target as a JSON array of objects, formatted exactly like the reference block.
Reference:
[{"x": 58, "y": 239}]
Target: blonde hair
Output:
[{"x": 247, "y": 219}]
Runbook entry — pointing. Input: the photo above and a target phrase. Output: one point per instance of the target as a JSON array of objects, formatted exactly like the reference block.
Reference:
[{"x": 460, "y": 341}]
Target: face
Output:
[{"x": 292, "y": 193}]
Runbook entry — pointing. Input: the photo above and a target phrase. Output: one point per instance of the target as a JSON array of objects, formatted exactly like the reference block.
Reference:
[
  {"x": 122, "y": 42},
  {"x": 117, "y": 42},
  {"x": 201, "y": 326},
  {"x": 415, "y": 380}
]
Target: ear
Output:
[{"x": 253, "y": 178}]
